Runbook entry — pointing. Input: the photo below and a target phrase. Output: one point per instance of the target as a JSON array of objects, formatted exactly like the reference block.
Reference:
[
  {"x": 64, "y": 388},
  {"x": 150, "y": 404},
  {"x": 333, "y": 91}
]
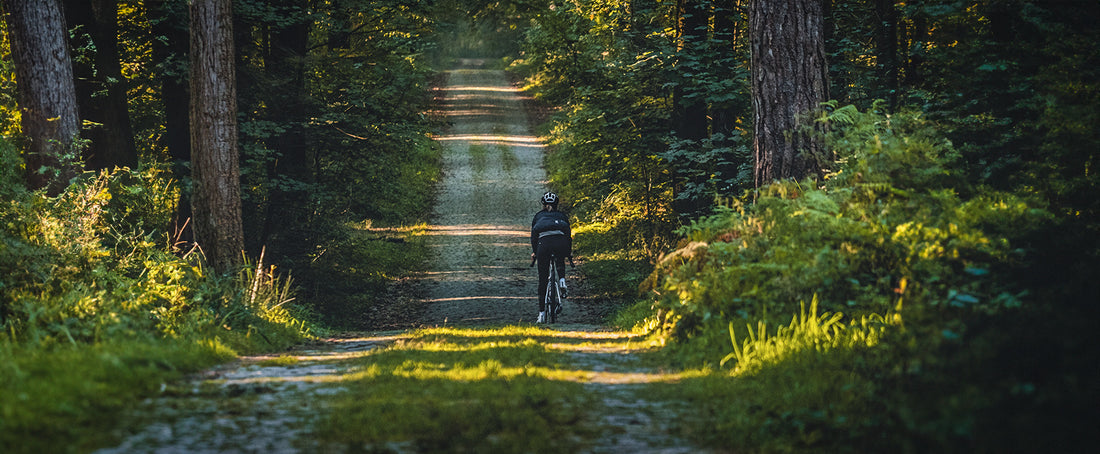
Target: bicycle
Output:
[{"x": 555, "y": 289}]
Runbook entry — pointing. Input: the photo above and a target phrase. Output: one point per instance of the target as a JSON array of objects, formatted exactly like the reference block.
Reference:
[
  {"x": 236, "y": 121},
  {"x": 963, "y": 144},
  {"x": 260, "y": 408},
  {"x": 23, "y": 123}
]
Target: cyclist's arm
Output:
[{"x": 534, "y": 236}]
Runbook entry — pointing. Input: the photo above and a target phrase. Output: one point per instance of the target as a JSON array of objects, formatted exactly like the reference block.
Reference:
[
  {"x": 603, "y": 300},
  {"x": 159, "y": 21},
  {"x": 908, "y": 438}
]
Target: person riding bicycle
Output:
[{"x": 550, "y": 235}]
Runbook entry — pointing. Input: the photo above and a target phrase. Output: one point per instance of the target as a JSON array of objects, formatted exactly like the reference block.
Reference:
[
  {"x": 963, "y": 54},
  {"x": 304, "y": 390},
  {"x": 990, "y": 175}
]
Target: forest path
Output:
[
  {"x": 478, "y": 277},
  {"x": 492, "y": 178}
]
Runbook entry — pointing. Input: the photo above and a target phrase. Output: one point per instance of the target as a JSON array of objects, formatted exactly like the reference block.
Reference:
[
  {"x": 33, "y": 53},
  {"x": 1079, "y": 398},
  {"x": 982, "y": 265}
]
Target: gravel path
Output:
[
  {"x": 480, "y": 239},
  {"x": 492, "y": 179},
  {"x": 479, "y": 275}
]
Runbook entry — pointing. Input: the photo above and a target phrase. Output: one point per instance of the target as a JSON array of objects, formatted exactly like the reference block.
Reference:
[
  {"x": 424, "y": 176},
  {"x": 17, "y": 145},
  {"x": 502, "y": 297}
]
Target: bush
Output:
[
  {"x": 94, "y": 264},
  {"x": 956, "y": 349},
  {"x": 886, "y": 227},
  {"x": 96, "y": 311}
]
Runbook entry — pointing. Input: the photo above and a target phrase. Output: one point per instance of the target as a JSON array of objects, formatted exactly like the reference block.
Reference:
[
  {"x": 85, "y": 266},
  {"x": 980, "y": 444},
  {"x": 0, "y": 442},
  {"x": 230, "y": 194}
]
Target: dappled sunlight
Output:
[
  {"x": 578, "y": 355},
  {"x": 471, "y": 88},
  {"x": 476, "y": 230},
  {"x": 480, "y": 297},
  {"x": 463, "y": 355},
  {"x": 495, "y": 139}
]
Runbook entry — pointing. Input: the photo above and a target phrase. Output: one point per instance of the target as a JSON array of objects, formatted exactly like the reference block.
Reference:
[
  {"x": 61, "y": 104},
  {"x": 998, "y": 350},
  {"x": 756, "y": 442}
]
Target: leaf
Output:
[{"x": 976, "y": 271}]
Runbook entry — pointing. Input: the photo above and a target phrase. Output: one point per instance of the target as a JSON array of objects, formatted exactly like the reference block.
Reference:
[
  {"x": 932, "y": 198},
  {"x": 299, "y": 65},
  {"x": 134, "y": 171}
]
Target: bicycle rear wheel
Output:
[{"x": 553, "y": 295}]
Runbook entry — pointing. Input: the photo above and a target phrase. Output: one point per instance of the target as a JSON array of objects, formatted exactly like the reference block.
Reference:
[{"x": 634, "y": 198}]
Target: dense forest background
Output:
[{"x": 946, "y": 239}]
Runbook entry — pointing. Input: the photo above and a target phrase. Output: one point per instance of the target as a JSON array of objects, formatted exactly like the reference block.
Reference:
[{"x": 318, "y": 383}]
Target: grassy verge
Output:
[
  {"x": 67, "y": 399},
  {"x": 350, "y": 275}
]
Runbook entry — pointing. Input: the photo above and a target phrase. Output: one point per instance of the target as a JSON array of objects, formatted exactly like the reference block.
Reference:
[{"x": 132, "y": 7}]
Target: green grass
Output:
[
  {"x": 479, "y": 157},
  {"x": 504, "y": 389},
  {"x": 68, "y": 398}
]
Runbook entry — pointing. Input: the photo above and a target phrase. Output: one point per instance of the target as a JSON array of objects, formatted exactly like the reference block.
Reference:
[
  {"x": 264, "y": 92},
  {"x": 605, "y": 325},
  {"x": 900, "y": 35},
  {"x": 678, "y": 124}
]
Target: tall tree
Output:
[
  {"x": 169, "y": 20},
  {"x": 886, "y": 37},
  {"x": 285, "y": 64},
  {"x": 47, "y": 98},
  {"x": 216, "y": 197},
  {"x": 729, "y": 26},
  {"x": 788, "y": 82},
  {"x": 690, "y": 110},
  {"x": 100, "y": 85},
  {"x": 689, "y": 107}
]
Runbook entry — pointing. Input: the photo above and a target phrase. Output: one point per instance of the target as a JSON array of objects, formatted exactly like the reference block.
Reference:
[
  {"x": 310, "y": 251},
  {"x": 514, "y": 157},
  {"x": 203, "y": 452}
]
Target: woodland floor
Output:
[{"x": 478, "y": 275}]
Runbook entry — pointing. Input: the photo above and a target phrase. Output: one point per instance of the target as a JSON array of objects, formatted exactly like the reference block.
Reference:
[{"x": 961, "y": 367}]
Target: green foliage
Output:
[
  {"x": 938, "y": 278},
  {"x": 88, "y": 266},
  {"x": 808, "y": 331},
  {"x": 96, "y": 311},
  {"x": 615, "y": 71},
  {"x": 886, "y": 224}
]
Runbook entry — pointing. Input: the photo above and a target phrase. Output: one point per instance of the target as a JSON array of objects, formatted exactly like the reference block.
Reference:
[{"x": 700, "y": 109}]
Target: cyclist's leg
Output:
[
  {"x": 542, "y": 254},
  {"x": 561, "y": 249},
  {"x": 553, "y": 293}
]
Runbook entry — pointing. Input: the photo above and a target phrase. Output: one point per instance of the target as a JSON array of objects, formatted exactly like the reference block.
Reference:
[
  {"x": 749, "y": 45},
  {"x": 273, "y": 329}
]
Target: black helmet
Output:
[{"x": 550, "y": 198}]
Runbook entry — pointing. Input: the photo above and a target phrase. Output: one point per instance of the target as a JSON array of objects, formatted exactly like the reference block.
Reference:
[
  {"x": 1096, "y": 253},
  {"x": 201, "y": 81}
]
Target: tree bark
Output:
[
  {"x": 788, "y": 83},
  {"x": 100, "y": 85},
  {"x": 47, "y": 98},
  {"x": 216, "y": 199},
  {"x": 917, "y": 37}
]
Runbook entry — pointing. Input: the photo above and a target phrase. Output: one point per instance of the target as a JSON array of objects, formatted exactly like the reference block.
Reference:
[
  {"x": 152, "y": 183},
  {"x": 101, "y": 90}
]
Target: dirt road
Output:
[{"x": 492, "y": 179}]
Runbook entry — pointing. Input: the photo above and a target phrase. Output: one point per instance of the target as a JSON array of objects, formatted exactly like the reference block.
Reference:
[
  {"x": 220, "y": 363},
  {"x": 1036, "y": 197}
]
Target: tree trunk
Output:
[
  {"x": 887, "y": 49},
  {"x": 728, "y": 23},
  {"x": 690, "y": 112},
  {"x": 838, "y": 77},
  {"x": 216, "y": 199},
  {"x": 918, "y": 36},
  {"x": 788, "y": 83},
  {"x": 640, "y": 25},
  {"x": 100, "y": 85},
  {"x": 286, "y": 70},
  {"x": 47, "y": 98},
  {"x": 170, "y": 19},
  {"x": 339, "y": 35}
]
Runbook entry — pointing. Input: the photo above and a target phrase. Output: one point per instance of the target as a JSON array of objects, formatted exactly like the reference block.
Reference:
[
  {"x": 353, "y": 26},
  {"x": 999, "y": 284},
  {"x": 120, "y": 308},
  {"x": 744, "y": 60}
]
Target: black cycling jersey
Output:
[
  {"x": 547, "y": 223},
  {"x": 550, "y": 235}
]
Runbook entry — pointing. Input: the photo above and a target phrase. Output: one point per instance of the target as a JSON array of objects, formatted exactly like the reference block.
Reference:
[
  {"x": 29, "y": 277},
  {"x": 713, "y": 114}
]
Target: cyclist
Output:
[{"x": 550, "y": 235}]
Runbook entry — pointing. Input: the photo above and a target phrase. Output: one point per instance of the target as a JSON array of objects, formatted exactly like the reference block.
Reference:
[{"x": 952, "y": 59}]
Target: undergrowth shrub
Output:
[
  {"x": 94, "y": 264},
  {"x": 949, "y": 346},
  {"x": 889, "y": 222},
  {"x": 96, "y": 311}
]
